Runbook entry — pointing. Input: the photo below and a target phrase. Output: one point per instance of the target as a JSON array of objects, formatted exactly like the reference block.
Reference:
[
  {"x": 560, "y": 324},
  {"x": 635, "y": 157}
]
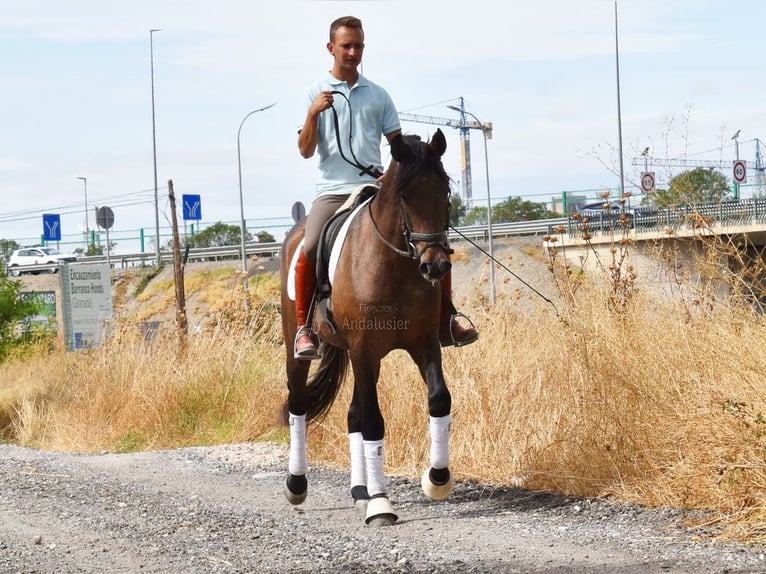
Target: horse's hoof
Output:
[
  {"x": 380, "y": 512},
  {"x": 361, "y": 499},
  {"x": 437, "y": 490},
  {"x": 360, "y": 506},
  {"x": 296, "y": 489}
]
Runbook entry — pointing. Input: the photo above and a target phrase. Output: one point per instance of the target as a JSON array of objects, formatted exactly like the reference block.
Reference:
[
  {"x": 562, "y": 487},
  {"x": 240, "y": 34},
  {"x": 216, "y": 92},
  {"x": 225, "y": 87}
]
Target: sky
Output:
[{"x": 75, "y": 88}]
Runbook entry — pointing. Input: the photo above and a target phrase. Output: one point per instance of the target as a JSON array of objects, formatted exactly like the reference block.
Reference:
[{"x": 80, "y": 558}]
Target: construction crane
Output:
[
  {"x": 465, "y": 127},
  {"x": 760, "y": 169}
]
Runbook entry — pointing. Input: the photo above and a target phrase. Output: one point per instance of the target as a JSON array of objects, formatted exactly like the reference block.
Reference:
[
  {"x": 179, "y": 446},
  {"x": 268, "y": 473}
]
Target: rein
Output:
[{"x": 370, "y": 170}]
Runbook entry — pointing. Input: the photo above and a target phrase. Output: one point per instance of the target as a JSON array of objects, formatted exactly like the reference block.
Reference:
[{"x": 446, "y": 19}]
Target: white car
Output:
[{"x": 37, "y": 256}]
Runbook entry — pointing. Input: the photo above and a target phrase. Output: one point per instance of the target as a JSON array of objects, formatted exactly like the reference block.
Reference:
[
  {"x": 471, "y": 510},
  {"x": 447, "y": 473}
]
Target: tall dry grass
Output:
[{"x": 643, "y": 401}]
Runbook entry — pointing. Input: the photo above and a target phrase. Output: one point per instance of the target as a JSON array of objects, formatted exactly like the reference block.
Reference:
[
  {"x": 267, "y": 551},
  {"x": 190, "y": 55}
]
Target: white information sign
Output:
[{"x": 86, "y": 304}]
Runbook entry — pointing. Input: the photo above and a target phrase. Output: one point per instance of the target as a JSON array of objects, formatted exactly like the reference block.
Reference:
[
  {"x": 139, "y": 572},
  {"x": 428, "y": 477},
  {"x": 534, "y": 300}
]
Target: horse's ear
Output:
[
  {"x": 400, "y": 150},
  {"x": 438, "y": 143}
]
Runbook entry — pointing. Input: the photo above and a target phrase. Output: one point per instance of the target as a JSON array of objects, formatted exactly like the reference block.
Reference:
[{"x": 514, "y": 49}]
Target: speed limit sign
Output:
[
  {"x": 739, "y": 170},
  {"x": 647, "y": 181}
]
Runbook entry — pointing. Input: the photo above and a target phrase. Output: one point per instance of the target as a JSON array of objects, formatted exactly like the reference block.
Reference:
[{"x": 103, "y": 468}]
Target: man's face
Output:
[{"x": 347, "y": 47}]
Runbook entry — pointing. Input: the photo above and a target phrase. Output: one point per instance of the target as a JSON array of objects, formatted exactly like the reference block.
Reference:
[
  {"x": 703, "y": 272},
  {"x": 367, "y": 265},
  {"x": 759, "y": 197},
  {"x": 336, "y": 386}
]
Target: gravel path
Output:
[{"x": 221, "y": 509}]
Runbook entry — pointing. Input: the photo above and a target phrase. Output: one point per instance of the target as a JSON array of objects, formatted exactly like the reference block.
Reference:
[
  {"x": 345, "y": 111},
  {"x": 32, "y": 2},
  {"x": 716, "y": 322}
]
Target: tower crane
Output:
[{"x": 464, "y": 126}]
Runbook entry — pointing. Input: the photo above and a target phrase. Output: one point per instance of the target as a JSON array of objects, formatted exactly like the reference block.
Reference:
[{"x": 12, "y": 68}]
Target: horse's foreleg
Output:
[
  {"x": 437, "y": 481},
  {"x": 359, "y": 491},
  {"x": 296, "y": 486},
  {"x": 366, "y": 411}
]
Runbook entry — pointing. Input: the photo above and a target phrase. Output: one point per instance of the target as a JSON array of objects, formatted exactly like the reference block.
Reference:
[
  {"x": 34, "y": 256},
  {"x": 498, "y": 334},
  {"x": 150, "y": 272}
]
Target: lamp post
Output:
[
  {"x": 87, "y": 229},
  {"x": 484, "y": 129},
  {"x": 154, "y": 154},
  {"x": 243, "y": 228}
]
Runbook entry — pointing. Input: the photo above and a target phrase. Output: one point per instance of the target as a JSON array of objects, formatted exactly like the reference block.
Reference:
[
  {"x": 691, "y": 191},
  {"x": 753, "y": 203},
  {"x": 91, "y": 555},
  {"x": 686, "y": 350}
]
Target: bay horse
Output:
[{"x": 385, "y": 296}]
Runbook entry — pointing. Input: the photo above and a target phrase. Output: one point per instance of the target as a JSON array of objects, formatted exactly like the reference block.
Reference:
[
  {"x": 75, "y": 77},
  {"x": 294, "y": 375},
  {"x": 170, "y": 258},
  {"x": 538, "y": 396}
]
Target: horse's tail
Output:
[{"x": 324, "y": 384}]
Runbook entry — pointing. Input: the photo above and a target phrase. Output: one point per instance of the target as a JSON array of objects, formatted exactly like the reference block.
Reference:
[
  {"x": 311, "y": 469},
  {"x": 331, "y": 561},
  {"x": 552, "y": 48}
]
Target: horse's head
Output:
[{"x": 423, "y": 190}]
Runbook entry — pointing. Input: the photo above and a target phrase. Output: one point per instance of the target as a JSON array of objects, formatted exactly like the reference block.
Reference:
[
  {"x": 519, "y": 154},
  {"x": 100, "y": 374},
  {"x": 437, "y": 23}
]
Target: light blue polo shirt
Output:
[{"x": 371, "y": 115}]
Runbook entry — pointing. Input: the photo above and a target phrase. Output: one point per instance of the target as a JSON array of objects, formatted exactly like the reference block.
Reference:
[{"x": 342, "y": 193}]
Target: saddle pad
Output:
[
  {"x": 334, "y": 253},
  {"x": 337, "y": 246}
]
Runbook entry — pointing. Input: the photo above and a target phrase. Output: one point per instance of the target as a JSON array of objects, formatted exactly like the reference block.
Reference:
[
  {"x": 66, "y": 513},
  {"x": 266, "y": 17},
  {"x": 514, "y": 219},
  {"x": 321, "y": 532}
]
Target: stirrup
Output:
[
  {"x": 306, "y": 356},
  {"x": 455, "y": 342}
]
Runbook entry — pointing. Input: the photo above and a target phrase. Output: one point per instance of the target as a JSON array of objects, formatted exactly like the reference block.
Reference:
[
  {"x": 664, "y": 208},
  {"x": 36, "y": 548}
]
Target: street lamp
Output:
[
  {"x": 87, "y": 229},
  {"x": 243, "y": 228},
  {"x": 485, "y": 128},
  {"x": 154, "y": 154}
]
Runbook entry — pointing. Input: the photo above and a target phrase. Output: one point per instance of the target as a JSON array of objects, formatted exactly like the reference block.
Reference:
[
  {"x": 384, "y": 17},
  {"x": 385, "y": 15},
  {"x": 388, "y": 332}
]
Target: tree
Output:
[
  {"x": 457, "y": 210},
  {"x": 517, "y": 209},
  {"x": 510, "y": 210},
  {"x": 218, "y": 235},
  {"x": 698, "y": 185},
  {"x": 265, "y": 237},
  {"x": 7, "y": 247}
]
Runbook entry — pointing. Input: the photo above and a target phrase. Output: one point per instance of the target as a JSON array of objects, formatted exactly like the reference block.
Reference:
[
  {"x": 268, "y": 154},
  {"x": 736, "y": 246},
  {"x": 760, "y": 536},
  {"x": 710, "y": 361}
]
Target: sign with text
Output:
[
  {"x": 51, "y": 227},
  {"x": 192, "y": 207},
  {"x": 45, "y": 317},
  {"x": 86, "y": 304}
]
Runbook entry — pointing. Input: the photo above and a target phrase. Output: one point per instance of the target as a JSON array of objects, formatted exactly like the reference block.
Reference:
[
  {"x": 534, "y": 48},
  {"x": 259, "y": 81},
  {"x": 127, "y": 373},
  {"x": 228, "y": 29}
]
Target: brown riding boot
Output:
[
  {"x": 306, "y": 344},
  {"x": 450, "y": 331}
]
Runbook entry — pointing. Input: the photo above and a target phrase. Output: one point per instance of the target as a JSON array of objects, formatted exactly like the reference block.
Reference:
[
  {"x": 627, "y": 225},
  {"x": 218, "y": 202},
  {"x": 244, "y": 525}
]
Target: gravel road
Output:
[{"x": 221, "y": 509}]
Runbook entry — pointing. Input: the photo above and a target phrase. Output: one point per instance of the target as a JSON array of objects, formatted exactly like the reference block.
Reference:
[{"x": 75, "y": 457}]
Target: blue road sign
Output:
[
  {"x": 192, "y": 207},
  {"x": 51, "y": 227}
]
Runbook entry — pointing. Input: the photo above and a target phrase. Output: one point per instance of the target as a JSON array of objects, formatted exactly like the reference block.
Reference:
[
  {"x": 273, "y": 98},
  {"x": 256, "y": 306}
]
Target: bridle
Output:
[{"x": 436, "y": 240}]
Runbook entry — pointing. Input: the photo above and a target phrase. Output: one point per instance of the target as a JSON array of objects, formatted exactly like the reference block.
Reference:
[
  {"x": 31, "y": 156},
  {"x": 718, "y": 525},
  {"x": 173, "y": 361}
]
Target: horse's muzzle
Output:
[{"x": 435, "y": 270}]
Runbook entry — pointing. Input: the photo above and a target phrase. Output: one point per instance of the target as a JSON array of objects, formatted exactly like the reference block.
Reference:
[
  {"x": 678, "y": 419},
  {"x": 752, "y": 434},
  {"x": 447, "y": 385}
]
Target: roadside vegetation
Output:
[{"x": 615, "y": 393}]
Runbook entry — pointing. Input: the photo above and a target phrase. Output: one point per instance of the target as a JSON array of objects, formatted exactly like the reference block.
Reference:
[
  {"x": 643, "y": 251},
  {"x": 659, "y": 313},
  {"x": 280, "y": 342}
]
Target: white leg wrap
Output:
[
  {"x": 298, "y": 462},
  {"x": 440, "y": 427},
  {"x": 373, "y": 456},
  {"x": 358, "y": 466}
]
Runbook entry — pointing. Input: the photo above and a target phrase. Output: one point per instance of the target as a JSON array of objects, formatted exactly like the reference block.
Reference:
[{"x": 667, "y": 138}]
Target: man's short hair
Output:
[{"x": 347, "y": 21}]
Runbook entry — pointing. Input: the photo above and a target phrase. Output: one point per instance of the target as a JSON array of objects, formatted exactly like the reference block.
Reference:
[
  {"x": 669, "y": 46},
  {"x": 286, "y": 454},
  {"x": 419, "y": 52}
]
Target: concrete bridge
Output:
[{"x": 705, "y": 244}]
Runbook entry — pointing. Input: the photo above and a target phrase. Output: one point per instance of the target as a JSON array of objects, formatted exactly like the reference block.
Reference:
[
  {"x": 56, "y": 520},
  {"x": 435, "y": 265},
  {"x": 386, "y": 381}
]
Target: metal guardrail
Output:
[
  {"x": 472, "y": 232},
  {"x": 645, "y": 221}
]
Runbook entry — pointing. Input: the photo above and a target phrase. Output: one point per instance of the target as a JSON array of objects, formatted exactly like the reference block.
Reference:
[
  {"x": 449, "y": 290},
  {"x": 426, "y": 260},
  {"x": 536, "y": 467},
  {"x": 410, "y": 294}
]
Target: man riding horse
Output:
[{"x": 356, "y": 129}]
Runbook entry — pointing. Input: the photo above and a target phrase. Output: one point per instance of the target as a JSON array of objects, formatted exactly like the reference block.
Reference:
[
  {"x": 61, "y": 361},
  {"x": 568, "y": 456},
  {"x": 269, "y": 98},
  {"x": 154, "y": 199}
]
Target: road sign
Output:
[
  {"x": 298, "y": 211},
  {"x": 647, "y": 181},
  {"x": 51, "y": 227},
  {"x": 739, "y": 170},
  {"x": 192, "y": 205},
  {"x": 105, "y": 217}
]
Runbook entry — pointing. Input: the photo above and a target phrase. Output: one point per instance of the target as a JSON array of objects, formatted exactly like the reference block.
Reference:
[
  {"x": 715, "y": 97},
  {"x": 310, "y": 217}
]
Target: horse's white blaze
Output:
[
  {"x": 373, "y": 457},
  {"x": 298, "y": 462},
  {"x": 358, "y": 466},
  {"x": 440, "y": 429}
]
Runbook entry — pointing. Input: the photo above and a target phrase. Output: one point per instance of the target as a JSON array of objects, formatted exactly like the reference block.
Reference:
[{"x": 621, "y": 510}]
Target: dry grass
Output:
[{"x": 644, "y": 402}]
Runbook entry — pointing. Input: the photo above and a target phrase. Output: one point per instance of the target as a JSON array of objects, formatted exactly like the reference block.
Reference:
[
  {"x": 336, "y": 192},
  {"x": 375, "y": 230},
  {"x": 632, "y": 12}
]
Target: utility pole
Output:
[
  {"x": 87, "y": 229},
  {"x": 178, "y": 268},
  {"x": 154, "y": 154}
]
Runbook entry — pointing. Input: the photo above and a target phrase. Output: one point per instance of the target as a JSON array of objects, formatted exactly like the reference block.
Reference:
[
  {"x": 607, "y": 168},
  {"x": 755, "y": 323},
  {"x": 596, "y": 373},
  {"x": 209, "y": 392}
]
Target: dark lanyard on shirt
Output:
[{"x": 370, "y": 170}]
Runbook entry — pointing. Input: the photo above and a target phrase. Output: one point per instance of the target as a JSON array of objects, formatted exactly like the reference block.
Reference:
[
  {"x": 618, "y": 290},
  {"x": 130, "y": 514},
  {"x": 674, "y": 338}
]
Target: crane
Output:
[{"x": 465, "y": 140}]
